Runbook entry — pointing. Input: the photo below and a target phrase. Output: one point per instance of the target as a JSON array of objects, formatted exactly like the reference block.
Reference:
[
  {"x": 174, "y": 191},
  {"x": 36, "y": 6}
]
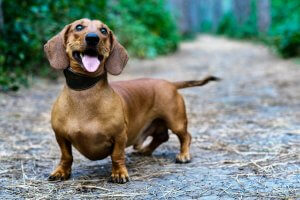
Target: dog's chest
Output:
[
  {"x": 90, "y": 138},
  {"x": 89, "y": 127}
]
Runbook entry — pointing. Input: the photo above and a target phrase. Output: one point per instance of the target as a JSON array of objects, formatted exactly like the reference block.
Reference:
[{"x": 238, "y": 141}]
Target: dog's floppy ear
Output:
[
  {"x": 56, "y": 51},
  {"x": 118, "y": 57}
]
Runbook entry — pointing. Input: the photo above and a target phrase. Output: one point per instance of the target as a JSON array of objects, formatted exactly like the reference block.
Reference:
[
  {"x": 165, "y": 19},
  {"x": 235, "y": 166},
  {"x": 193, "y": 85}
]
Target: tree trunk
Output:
[
  {"x": 193, "y": 15},
  {"x": 187, "y": 14},
  {"x": 242, "y": 10},
  {"x": 177, "y": 8},
  {"x": 186, "y": 21},
  {"x": 217, "y": 13},
  {"x": 263, "y": 15}
]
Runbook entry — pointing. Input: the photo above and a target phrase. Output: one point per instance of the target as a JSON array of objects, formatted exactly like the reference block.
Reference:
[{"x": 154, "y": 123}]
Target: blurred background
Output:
[{"x": 147, "y": 28}]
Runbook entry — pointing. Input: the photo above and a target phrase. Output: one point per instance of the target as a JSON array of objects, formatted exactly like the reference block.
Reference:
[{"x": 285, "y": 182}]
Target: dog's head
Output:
[{"x": 88, "y": 47}]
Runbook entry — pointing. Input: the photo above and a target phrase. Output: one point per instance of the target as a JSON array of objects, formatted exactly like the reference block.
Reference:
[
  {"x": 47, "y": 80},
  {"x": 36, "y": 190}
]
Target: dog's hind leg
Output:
[
  {"x": 148, "y": 132},
  {"x": 177, "y": 122},
  {"x": 159, "y": 134}
]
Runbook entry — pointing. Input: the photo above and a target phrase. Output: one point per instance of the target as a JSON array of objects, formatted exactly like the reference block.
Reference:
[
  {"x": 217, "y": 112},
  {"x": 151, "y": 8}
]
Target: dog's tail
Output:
[{"x": 186, "y": 84}]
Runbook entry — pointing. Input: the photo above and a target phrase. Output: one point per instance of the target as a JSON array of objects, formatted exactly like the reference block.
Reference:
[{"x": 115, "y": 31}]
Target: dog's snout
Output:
[{"x": 92, "y": 39}]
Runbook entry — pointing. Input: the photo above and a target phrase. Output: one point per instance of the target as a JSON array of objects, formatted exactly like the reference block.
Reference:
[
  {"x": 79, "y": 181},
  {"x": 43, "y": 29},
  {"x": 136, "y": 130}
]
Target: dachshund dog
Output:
[{"x": 101, "y": 119}]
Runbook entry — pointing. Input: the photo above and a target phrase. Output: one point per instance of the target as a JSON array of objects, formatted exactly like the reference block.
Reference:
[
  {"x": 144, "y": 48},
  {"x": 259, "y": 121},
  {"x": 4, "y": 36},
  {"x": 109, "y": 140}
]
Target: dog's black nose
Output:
[{"x": 92, "y": 39}]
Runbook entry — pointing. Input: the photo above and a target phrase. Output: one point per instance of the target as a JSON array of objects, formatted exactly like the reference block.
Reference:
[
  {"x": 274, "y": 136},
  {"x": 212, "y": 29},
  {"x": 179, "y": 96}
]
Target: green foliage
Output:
[
  {"x": 145, "y": 28},
  {"x": 230, "y": 26},
  {"x": 285, "y": 30},
  {"x": 206, "y": 26},
  {"x": 227, "y": 25}
]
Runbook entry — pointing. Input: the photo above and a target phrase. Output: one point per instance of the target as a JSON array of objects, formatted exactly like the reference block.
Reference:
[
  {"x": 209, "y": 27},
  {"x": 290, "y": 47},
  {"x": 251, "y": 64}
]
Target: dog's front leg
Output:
[
  {"x": 63, "y": 170},
  {"x": 119, "y": 172}
]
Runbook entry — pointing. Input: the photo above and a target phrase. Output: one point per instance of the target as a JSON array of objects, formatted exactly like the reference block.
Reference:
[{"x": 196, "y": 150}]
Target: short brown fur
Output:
[{"x": 109, "y": 117}]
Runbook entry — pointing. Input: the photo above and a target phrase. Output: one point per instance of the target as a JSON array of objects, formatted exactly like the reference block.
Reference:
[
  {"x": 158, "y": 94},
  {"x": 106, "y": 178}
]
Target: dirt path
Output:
[{"x": 246, "y": 132}]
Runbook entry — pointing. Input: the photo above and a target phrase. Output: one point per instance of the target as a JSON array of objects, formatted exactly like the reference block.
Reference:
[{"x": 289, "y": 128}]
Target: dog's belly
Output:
[
  {"x": 138, "y": 133},
  {"x": 93, "y": 148},
  {"x": 91, "y": 141}
]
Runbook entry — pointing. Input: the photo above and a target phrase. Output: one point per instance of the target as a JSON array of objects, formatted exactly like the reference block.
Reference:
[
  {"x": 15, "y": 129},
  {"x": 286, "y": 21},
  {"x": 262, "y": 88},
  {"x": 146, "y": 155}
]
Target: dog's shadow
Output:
[{"x": 136, "y": 164}]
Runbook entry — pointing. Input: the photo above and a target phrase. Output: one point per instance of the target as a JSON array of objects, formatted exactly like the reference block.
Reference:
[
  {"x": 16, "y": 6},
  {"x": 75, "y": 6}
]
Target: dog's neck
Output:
[
  {"x": 92, "y": 96},
  {"x": 79, "y": 82}
]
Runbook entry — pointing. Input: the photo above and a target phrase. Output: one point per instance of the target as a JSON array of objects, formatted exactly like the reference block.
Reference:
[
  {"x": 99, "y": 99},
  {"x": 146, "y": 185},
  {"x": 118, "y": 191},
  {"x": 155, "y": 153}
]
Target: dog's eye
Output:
[
  {"x": 79, "y": 27},
  {"x": 103, "y": 31}
]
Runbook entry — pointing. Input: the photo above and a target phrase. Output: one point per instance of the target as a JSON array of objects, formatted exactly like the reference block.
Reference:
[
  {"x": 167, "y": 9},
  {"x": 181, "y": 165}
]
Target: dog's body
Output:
[{"x": 108, "y": 117}]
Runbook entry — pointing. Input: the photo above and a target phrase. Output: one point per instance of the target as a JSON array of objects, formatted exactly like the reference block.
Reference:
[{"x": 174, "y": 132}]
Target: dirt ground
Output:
[{"x": 246, "y": 133}]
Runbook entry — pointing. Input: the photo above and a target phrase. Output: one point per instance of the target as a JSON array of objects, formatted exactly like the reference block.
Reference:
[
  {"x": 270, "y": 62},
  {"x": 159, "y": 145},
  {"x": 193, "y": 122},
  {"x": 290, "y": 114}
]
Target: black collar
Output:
[{"x": 77, "y": 81}]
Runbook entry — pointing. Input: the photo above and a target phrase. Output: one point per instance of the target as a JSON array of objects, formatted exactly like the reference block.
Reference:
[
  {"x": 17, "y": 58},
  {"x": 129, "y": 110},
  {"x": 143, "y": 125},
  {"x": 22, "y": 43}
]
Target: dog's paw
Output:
[
  {"x": 60, "y": 174},
  {"x": 183, "y": 158},
  {"x": 119, "y": 176}
]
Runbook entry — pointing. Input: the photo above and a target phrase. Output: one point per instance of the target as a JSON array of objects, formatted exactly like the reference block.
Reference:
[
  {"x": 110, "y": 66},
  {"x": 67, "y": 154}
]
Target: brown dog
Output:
[{"x": 100, "y": 118}]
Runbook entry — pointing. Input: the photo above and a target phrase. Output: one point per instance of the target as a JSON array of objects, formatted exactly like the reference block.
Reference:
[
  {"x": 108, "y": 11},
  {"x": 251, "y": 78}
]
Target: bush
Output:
[
  {"x": 29, "y": 24},
  {"x": 285, "y": 30},
  {"x": 145, "y": 27},
  {"x": 231, "y": 27}
]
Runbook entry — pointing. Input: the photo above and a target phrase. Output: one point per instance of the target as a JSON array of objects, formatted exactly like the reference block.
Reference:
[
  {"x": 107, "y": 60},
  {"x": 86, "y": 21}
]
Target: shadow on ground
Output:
[{"x": 246, "y": 132}]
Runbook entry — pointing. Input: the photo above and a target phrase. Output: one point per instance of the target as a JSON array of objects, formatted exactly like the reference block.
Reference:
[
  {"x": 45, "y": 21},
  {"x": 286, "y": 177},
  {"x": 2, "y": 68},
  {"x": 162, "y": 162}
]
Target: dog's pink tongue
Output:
[{"x": 90, "y": 63}]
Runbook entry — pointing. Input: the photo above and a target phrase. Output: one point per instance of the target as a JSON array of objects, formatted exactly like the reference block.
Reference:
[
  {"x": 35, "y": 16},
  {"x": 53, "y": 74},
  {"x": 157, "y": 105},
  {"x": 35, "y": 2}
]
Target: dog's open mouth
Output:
[{"x": 90, "y": 59}]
